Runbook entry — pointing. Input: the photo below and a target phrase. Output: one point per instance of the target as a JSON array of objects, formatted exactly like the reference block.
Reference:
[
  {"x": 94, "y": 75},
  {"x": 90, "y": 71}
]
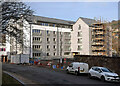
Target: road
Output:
[{"x": 42, "y": 75}]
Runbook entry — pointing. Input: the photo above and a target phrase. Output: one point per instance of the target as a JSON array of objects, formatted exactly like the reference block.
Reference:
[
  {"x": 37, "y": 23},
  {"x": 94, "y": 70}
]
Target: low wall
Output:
[{"x": 112, "y": 63}]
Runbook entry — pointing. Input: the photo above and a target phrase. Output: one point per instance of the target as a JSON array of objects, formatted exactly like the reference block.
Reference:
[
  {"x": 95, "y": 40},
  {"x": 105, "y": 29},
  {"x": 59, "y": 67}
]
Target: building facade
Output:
[
  {"x": 49, "y": 38},
  {"x": 101, "y": 39},
  {"x": 4, "y": 47}
]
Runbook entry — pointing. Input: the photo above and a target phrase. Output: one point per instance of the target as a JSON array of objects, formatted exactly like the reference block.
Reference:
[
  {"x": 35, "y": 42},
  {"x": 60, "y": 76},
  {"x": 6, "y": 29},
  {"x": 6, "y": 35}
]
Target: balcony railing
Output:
[
  {"x": 54, "y": 34},
  {"x": 67, "y": 36},
  {"x": 67, "y": 50},
  {"x": 54, "y": 49},
  {"x": 67, "y": 42},
  {"x": 54, "y": 42},
  {"x": 37, "y": 42},
  {"x": 48, "y": 42},
  {"x": 37, "y": 34},
  {"x": 48, "y": 34},
  {"x": 48, "y": 49}
]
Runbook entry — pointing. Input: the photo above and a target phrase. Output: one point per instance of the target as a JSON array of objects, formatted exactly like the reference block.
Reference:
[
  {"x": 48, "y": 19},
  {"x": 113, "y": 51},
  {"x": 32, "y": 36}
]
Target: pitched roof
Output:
[
  {"x": 52, "y": 20},
  {"x": 88, "y": 21}
]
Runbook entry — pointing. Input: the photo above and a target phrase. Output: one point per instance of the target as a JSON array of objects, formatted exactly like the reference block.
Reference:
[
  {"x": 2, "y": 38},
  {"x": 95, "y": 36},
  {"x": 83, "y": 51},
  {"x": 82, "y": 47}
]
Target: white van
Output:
[{"x": 77, "y": 67}]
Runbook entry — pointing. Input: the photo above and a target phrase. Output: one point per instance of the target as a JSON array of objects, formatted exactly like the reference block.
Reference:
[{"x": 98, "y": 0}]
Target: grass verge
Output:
[{"x": 7, "y": 80}]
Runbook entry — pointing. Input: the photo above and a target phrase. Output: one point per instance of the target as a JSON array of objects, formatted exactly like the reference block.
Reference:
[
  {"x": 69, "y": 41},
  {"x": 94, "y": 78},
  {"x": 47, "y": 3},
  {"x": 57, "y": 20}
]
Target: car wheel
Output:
[
  {"x": 76, "y": 73},
  {"x": 102, "y": 78},
  {"x": 67, "y": 71},
  {"x": 89, "y": 75}
]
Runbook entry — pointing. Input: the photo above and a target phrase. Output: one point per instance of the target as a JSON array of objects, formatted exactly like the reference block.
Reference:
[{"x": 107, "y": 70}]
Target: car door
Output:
[
  {"x": 71, "y": 67},
  {"x": 98, "y": 72},
  {"x": 93, "y": 71}
]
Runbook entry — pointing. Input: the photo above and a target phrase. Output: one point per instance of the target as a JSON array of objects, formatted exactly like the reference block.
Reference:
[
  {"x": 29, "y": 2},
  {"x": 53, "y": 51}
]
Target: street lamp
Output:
[{"x": 61, "y": 48}]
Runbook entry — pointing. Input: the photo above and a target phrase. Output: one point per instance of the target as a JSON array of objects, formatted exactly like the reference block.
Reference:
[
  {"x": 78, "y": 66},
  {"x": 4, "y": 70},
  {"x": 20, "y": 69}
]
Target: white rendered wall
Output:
[{"x": 85, "y": 38}]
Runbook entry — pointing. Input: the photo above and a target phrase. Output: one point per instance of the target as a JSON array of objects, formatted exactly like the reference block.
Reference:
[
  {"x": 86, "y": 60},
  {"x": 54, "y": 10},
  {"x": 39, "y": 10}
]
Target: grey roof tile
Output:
[
  {"x": 60, "y": 21},
  {"x": 88, "y": 21},
  {"x": 53, "y": 20}
]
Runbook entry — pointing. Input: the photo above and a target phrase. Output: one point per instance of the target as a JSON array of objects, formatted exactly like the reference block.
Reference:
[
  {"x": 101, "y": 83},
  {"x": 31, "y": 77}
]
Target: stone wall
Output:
[{"x": 112, "y": 63}]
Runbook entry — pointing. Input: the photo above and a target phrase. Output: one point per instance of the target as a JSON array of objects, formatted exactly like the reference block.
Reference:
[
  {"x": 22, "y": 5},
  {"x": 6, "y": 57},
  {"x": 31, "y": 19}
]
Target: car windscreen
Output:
[{"x": 105, "y": 70}]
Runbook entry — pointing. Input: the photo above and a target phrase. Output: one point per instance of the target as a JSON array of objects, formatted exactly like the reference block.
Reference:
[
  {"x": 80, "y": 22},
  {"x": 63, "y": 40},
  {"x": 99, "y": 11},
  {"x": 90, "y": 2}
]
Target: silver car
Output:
[{"x": 104, "y": 74}]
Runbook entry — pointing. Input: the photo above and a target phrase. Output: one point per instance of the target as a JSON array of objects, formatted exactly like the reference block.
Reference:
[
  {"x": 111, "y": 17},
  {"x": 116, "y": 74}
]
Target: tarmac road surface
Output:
[{"x": 42, "y": 75}]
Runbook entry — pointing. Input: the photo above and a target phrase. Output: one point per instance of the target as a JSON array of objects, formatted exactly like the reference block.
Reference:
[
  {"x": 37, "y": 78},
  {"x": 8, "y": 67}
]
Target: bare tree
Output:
[{"x": 13, "y": 16}]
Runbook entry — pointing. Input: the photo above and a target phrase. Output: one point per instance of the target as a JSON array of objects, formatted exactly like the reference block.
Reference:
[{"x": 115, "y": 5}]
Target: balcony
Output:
[
  {"x": 37, "y": 49},
  {"x": 48, "y": 49},
  {"x": 48, "y": 42},
  {"x": 67, "y": 42},
  {"x": 97, "y": 43},
  {"x": 95, "y": 28},
  {"x": 54, "y": 34},
  {"x": 54, "y": 49},
  {"x": 79, "y": 35},
  {"x": 54, "y": 42},
  {"x": 48, "y": 34},
  {"x": 37, "y": 34},
  {"x": 98, "y": 50},
  {"x": 67, "y": 37},
  {"x": 98, "y": 38},
  {"x": 37, "y": 42},
  {"x": 79, "y": 42},
  {"x": 67, "y": 50}
]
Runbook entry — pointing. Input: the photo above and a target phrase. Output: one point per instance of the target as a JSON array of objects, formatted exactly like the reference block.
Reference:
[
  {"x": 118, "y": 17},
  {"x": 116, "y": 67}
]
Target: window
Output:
[
  {"x": 54, "y": 32},
  {"x": 36, "y": 54},
  {"x": 79, "y": 28},
  {"x": 54, "y": 39},
  {"x": 41, "y": 24},
  {"x": 80, "y": 47},
  {"x": 53, "y": 25},
  {"x": 54, "y": 54},
  {"x": 48, "y": 54},
  {"x": 71, "y": 65},
  {"x": 67, "y": 48},
  {"x": 2, "y": 49},
  {"x": 47, "y": 32},
  {"x": 54, "y": 46},
  {"x": 39, "y": 31},
  {"x": 80, "y": 40},
  {"x": 79, "y": 34},
  {"x": 48, "y": 39},
  {"x": 48, "y": 46},
  {"x": 46, "y": 24},
  {"x": 33, "y": 31}
]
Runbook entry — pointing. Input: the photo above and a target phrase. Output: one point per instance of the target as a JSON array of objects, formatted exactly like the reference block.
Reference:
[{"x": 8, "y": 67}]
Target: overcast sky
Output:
[{"x": 73, "y": 10}]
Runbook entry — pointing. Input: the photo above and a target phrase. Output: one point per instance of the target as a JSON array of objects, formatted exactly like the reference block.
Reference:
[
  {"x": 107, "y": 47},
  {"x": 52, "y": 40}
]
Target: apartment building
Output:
[
  {"x": 115, "y": 43},
  {"x": 4, "y": 48},
  {"x": 101, "y": 39},
  {"x": 81, "y": 37},
  {"x": 51, "y": 38},
  {"x": 48, "y": 38}
]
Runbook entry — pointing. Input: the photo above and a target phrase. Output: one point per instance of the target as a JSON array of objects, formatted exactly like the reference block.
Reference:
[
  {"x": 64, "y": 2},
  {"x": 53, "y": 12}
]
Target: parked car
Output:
[
  {"x": 103, "y": 73},
  {"x": 77, "y": 67}
]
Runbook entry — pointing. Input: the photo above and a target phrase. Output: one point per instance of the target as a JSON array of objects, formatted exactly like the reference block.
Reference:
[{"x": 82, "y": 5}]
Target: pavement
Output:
[{"x": 34, "y": 75}]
